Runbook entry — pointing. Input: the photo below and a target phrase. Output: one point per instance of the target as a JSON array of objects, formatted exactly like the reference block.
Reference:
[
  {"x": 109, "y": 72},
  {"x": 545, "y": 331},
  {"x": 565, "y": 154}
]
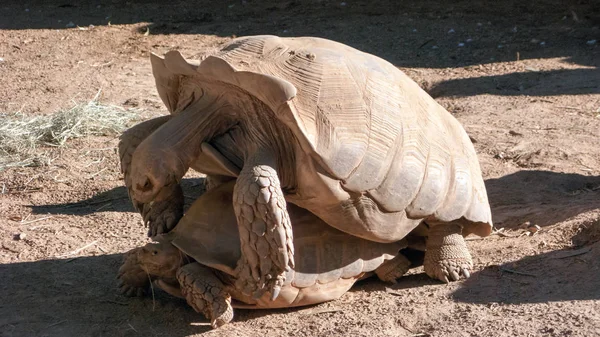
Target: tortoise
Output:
[
  {"x": 339, "y": 132},
  {"x": 197, "y": 260}
]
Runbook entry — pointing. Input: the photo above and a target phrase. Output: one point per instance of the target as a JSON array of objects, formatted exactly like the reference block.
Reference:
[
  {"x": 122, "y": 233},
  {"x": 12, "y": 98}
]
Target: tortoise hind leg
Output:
[
  {"x": 205, "y": 293},
  {"x": 393, "y": 269},
  {"x": 447, "y": 256},
  {"x": 265, "y": 229}
]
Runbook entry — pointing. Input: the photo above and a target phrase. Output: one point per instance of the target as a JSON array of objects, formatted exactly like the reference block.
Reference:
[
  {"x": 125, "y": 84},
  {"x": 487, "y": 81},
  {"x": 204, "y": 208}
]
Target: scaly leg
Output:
[
  {"x": 447, "y": 256},
  {"x": 393, "y": 269},
  {"x": 132, "y": 279},
  {"x": 205, "y": 293},
  {"x": 160, "y": 216},
  {"x": 265, "y": 229}
]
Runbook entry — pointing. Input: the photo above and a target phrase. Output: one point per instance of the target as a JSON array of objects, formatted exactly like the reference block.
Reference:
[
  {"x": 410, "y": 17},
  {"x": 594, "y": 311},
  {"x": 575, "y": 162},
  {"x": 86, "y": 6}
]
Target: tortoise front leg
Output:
[
  {"x": 447, "y": 256},
  {"x": 132, "y": 278},
  {"x": 265, "y": 229},
  {"x": 162, "y": 214},
  {"x": 205, "y": 293}
]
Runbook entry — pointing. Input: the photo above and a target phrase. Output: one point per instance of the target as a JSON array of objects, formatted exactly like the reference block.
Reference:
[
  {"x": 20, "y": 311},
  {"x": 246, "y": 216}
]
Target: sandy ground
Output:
[{"x": 522, "y": 77}]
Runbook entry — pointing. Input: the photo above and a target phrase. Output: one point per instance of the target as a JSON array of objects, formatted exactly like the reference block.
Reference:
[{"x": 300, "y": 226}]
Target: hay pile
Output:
[{"x": 28, "y": 140}]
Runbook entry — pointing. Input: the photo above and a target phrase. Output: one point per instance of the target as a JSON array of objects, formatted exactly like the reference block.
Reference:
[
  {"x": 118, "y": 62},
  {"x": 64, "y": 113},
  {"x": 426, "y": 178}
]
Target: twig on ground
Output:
[
  {"x": 54, "y": 324},
  {"x": 78, "y": 250},
  {"x": 36, "y": 220},
  {"x": 103, "y": 206},
  {"x": 319, "y": 311},
  {"x": 97, "y": 173},
  {"x": 567, "y": 254},
  {"x": 516, "y": 272}
]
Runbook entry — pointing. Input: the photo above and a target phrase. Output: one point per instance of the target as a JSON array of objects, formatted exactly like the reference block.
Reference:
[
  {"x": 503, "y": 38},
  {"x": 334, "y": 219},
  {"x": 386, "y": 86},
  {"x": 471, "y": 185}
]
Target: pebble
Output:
[
  {"x": 542, "y": 43},
  {"x": 343, "y": 4},
  {"x": 1, "y": 59},
  {"x": 591, "y": 42},
  {"x": 534, "y": 229},
  {"x": 70, "y": 24},
  {"x": 460, "y": 44},
  {"x": 451, "y": 31}
]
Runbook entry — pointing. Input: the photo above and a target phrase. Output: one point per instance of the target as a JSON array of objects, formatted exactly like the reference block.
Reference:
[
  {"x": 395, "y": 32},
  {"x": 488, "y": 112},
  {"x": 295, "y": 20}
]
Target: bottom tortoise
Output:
[{"x": 197, "y": 261}]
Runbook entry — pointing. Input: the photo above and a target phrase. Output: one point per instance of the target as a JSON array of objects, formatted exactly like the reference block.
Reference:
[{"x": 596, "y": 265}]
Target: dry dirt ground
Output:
[{"x": 522, "y": 77}]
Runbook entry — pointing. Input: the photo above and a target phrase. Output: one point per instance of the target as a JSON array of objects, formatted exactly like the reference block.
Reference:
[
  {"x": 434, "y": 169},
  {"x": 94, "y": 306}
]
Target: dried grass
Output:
[{"x": 27, "y": 140}]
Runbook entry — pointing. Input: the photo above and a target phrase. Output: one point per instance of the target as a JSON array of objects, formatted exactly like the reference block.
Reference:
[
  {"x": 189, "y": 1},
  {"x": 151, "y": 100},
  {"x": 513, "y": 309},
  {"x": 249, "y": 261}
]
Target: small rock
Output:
[
  {"x": 500, "y": 46},
  {"x": 460, "y": 44},
  {"x": 27, "y": 9},
  {"x": 451, "y": 31},
  {"x": 469, "y": 40},
  {"x": 543, "y": 43},
  {"x": 535, "y": 40},
  {"x": 414, "y": 30},
  {"x": 434, "y": 47},
  {"x": 70, "y": 24},
  {"x": 1, "y": 59},
  {"x": 20, "y": 236},
  {"x": 343, "y": 4},
  {"x": 525, "y": 224},
  {"x": 534, "y": 229},
  {"x": 514, "y": 30},
  {"x": 591, "y": 42}
]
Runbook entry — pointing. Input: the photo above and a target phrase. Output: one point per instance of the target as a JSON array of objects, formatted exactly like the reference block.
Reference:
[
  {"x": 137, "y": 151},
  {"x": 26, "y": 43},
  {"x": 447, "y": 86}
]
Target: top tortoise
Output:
[{"x": 324, "y": 126}]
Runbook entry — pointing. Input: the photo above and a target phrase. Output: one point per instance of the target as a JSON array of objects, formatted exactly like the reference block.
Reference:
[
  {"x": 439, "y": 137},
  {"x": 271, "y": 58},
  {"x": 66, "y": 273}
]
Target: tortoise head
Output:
[
  {"x": 160, "y": 259},
  {"x": 152, "y": 169}
]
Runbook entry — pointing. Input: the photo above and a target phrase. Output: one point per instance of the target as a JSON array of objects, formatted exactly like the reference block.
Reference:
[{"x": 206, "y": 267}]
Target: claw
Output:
[
  {"x": 466, "y": 272},
  {"x": 454, "y": 275},
  {"x": 275, "y": 293},
  {"x": 445, "y": 279},
  {"x": 259, "y": 293}
]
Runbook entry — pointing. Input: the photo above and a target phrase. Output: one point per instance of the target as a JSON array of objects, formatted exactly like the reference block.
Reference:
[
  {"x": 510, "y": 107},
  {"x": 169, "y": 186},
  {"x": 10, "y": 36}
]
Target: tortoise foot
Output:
[
  {"x": 393, "y": 269},
  {"x": 205, "y": 293},
  {"x": 132, "y": 279},
  {"x": 447, "y": 257},
  {"x": 162, "y": 215}
]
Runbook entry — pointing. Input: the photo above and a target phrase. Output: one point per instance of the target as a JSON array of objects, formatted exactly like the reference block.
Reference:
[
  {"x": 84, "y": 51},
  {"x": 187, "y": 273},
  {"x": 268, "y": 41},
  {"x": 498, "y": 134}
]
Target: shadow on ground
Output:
[
  {"x": 116, "y": 200},
  {"x": 78, "y": 297},
  {"x": 411, "y": 34},
  {"x": 541, "y": 278},
  {"x": 532, "y": 83},
  {"x": 543, "y": 198}
]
